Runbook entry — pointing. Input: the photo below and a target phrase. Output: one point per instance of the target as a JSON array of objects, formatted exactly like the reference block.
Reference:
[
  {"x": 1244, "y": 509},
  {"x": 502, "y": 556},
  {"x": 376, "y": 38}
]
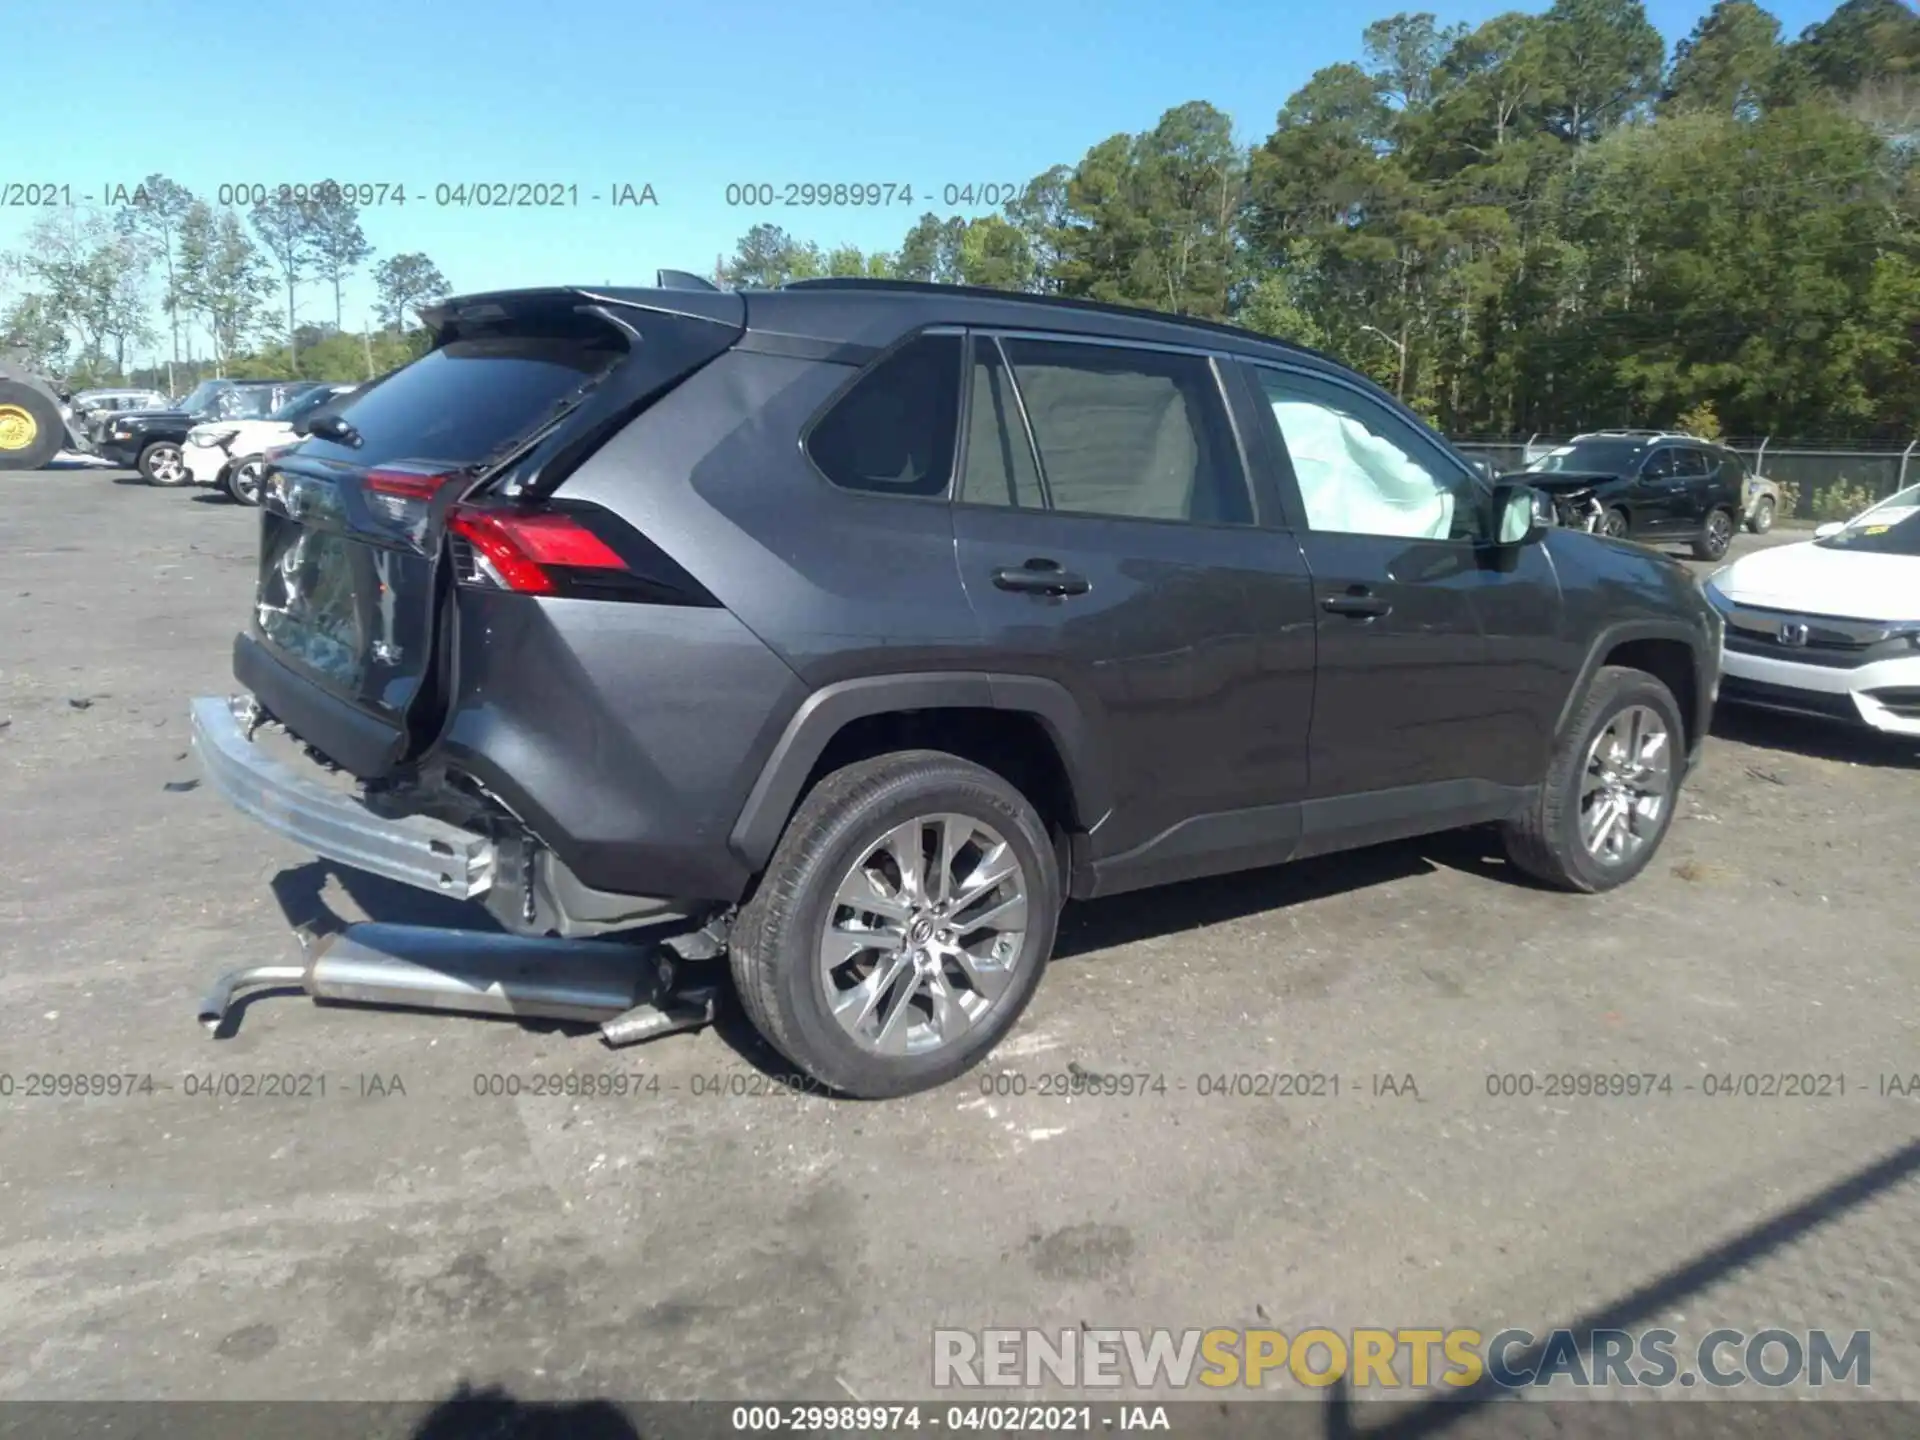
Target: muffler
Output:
[{"x": 628, "y": 987}]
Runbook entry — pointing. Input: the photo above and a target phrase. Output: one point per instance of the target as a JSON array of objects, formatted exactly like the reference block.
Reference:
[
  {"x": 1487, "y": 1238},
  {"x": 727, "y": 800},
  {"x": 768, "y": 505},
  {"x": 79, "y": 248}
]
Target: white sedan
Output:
[
  {"x": 228, "y": 453},
  {"x": 1830, "y": 627}
]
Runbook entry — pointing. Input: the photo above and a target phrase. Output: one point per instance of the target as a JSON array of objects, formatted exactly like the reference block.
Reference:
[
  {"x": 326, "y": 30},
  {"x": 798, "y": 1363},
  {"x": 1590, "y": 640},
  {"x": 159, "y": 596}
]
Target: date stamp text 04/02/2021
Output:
[{"x": 553, "y": 194}]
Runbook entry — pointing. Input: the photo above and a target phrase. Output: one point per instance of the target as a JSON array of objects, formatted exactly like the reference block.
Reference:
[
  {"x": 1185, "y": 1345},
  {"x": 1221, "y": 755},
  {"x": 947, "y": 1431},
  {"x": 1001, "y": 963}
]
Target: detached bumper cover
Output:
[{"x": 419, "y": 851}]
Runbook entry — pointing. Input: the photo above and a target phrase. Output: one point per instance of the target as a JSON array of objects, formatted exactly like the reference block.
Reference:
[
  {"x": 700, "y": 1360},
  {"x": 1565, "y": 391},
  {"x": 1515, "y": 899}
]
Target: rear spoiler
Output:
[{"x": 448, "y": 320}]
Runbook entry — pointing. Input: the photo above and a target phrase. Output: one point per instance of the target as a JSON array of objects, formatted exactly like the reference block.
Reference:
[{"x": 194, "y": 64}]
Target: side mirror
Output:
[
  {"x": 1832, "y": 527},
  {"x": 1521, "y": 514},
  {"x": 300, "y": 426}
]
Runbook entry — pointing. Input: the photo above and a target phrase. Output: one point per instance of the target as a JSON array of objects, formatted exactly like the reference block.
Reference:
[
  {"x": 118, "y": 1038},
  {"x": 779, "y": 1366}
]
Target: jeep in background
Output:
[
  {"x": 862, "y": 624},
  {"x": 1650, "y": 485}
]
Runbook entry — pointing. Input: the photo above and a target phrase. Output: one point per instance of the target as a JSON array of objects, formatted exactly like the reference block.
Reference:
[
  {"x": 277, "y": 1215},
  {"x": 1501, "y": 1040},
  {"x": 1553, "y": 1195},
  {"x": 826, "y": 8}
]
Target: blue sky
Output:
[{"x": 687, "y": 98}]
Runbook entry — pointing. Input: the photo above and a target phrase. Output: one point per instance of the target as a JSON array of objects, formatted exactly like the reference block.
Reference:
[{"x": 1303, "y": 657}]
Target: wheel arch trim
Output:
[
  {"x": 1623, "y": 632},
  {"x": 777, "y": 789}
]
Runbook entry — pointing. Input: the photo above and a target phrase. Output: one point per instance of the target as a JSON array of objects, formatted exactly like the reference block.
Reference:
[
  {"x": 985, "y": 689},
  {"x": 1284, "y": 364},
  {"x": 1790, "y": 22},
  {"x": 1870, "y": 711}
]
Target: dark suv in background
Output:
[
  {"x": 1650, "y": 485},
  {"x": 865, "y": 623}
]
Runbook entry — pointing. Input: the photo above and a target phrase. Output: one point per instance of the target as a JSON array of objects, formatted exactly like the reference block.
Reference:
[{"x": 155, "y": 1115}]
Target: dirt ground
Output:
[{"x": 712, "y": 1234}]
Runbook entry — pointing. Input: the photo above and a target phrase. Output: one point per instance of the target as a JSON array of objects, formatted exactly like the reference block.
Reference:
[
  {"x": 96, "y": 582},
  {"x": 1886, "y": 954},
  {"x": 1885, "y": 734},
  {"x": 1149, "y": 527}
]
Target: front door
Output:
[
  {"x": 1439, "y": 660},
  {"x": 1108, "y": 540}
]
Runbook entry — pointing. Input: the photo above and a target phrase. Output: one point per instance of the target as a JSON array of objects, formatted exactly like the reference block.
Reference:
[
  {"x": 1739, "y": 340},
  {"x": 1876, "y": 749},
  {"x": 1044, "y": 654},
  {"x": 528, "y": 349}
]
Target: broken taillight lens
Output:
[{"x": 401, "y": 494}]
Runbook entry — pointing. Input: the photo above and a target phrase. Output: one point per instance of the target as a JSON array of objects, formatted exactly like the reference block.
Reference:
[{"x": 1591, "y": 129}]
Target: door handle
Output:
[
  {"x": 1041, "y": 577},
  {"x": 1358, "y": 602}
]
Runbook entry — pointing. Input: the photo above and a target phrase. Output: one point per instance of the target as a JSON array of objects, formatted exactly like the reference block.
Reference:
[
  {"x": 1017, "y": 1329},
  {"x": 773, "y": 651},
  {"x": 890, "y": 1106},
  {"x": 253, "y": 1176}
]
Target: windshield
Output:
[
  {"x": 201, "y": 397},
  {"x": 1609, "y": 457},
  {"x": 1892, "y": 531},
  {"x": 306, "y": 404}
]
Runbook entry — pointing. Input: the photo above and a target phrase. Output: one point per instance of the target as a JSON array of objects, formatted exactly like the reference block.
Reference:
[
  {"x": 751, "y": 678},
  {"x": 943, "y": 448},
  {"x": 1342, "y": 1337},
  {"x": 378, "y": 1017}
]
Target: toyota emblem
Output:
[{"x": 1793, "y": 633}]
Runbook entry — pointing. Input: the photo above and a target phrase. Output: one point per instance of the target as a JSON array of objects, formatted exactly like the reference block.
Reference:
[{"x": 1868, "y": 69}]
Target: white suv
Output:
[{"x": 231, "y": 453}]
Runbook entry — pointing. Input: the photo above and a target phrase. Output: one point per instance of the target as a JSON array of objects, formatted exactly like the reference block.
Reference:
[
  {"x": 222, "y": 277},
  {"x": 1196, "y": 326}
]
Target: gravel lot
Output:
[{"x": 694, "y": 1240}]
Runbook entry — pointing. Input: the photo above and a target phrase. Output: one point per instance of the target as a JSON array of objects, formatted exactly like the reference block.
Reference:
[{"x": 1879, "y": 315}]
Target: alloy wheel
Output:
[
  {"x": 1624, "y": 787},
  {"x": 245, "y": 483},
  {"x": 1719, "y": 531},
  {"x": 923, "y": 934},
  {"x": 167, "y": 466},
  {"x": 1615, "y": 525}
]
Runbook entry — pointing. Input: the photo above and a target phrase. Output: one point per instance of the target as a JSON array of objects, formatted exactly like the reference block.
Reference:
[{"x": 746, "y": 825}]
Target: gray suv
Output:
[{"x": 863, "y": 624}]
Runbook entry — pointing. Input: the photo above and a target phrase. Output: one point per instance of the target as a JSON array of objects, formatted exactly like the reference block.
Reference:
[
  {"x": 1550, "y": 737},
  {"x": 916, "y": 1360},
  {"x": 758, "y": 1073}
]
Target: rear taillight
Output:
[
  {"x": 533, "y": 553},
  {"x": 567, "y": 549},
  {"x": 401, "y": 494}
]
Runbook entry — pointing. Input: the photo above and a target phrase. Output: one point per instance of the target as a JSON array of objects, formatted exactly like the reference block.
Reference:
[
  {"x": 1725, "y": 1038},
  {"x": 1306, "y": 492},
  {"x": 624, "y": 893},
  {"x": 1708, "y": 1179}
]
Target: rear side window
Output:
[
  {"x": 1133, "y": 433},
  {"x": 461, "y": 402},
  {"x": 1694, "y": 463},
  {"x": 893, "y": 432}
]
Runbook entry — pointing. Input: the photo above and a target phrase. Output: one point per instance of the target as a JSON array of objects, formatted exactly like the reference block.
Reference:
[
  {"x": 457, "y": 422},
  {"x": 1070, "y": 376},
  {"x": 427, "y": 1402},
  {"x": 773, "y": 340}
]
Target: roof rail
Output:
[{"x": 1063, "y": 302}]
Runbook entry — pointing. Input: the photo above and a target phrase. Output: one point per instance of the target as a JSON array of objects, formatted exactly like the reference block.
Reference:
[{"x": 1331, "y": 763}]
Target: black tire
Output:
[
  {"x": 1718, "y": 535},
  {"x": 162, "y": 463},
  {"x": 1761, "y": 521},
  {"x": 31, "y": 429},
  {"x": 1616, "y": 524},
  {"x": 773, "y": 945},
  {"x": 237, "y": 487},
  {"x": 1545, "y": 840}
]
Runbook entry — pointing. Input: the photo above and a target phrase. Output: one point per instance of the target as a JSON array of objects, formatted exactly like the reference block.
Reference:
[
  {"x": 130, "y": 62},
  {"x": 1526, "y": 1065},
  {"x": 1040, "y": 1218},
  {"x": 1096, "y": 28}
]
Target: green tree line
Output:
[
  {"x": 1540, "y": 223},
  {"x": 228, "y": 289}
]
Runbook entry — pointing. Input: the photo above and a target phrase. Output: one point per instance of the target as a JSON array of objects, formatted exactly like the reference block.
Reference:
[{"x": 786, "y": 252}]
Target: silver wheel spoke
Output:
[
  {"x": 892, "y": 1037},
  {"x": 1009, "y": 914},
  {"x": 950, "y": 1018},
  {"x": 995, "y": 866},
  {"x": 903, "y": 844},
  {"x": 955, "y": 832},
  {"x": 988, "y": 977},
  {"x": 855, "y": 1006}
]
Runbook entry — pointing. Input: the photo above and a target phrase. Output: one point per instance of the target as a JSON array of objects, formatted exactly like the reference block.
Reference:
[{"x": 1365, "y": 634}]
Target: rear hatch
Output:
[{"x": 355, "y": 590}]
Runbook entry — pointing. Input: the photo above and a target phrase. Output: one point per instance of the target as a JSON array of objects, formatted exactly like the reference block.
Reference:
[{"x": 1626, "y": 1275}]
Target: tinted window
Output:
[
  {"x": 1135, "y": 433},
  {"x": 999, "y": 466},
  {"x": 893, "y": 432},
  {"x": 1693, "y": 463},
  {"x": 461, "y": 402},
  {"x": 1362, "y": 470}
]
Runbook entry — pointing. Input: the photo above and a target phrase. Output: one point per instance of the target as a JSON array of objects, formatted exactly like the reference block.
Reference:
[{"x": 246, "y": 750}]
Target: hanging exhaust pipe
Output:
[{"x": 476, "y": 973}]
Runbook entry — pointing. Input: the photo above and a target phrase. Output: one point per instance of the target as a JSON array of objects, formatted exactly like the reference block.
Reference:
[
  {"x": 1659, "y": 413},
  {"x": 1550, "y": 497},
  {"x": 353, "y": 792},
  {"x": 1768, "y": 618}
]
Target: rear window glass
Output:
[{"x": 462, "y": 402}]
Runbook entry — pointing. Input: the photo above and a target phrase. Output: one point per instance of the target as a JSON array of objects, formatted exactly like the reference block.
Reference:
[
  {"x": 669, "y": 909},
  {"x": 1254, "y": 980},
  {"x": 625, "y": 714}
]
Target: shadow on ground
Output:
[{"x": 1817, "y": 739}]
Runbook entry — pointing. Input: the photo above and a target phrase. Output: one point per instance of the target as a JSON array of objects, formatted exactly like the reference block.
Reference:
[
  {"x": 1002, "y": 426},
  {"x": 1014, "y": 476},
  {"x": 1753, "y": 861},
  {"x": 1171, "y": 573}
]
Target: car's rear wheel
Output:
[
  {"x": 162, "y": 463},
  {"x": 244, "y": 478},
  {"x": 31, "y": 430},
  {"x": 1609, "y": 793},
  {"x": 1761, "y": 520},
  {"x": 1716, "y": 537},
  {"x": 902, "y": 925},
  {"x": 1615, "y": 523}
]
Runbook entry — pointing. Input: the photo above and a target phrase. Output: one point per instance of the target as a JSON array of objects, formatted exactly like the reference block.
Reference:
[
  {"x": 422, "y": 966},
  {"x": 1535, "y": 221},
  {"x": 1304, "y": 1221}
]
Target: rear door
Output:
[
  {"x": 1696, "y": 477},
  {"x": 349, "y": 599},
  {"x": 1657, "y": 500},
  {"x": 1108, "y": 540}
]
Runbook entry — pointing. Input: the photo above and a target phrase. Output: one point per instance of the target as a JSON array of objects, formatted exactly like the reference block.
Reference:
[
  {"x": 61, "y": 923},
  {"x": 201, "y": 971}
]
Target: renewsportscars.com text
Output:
[{"x": 1388, "y": 1359}]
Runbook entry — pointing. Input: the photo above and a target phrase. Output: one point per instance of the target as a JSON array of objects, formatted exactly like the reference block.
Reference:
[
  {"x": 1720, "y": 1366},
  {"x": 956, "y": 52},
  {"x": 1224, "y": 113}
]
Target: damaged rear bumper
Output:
[
  {"x": 416, "y": 850},
  {"x": 522, "y": 884}
]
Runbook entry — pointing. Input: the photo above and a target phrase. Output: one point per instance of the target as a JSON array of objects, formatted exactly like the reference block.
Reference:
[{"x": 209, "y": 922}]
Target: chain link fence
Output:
[{"x": 1820, "y": 480}]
